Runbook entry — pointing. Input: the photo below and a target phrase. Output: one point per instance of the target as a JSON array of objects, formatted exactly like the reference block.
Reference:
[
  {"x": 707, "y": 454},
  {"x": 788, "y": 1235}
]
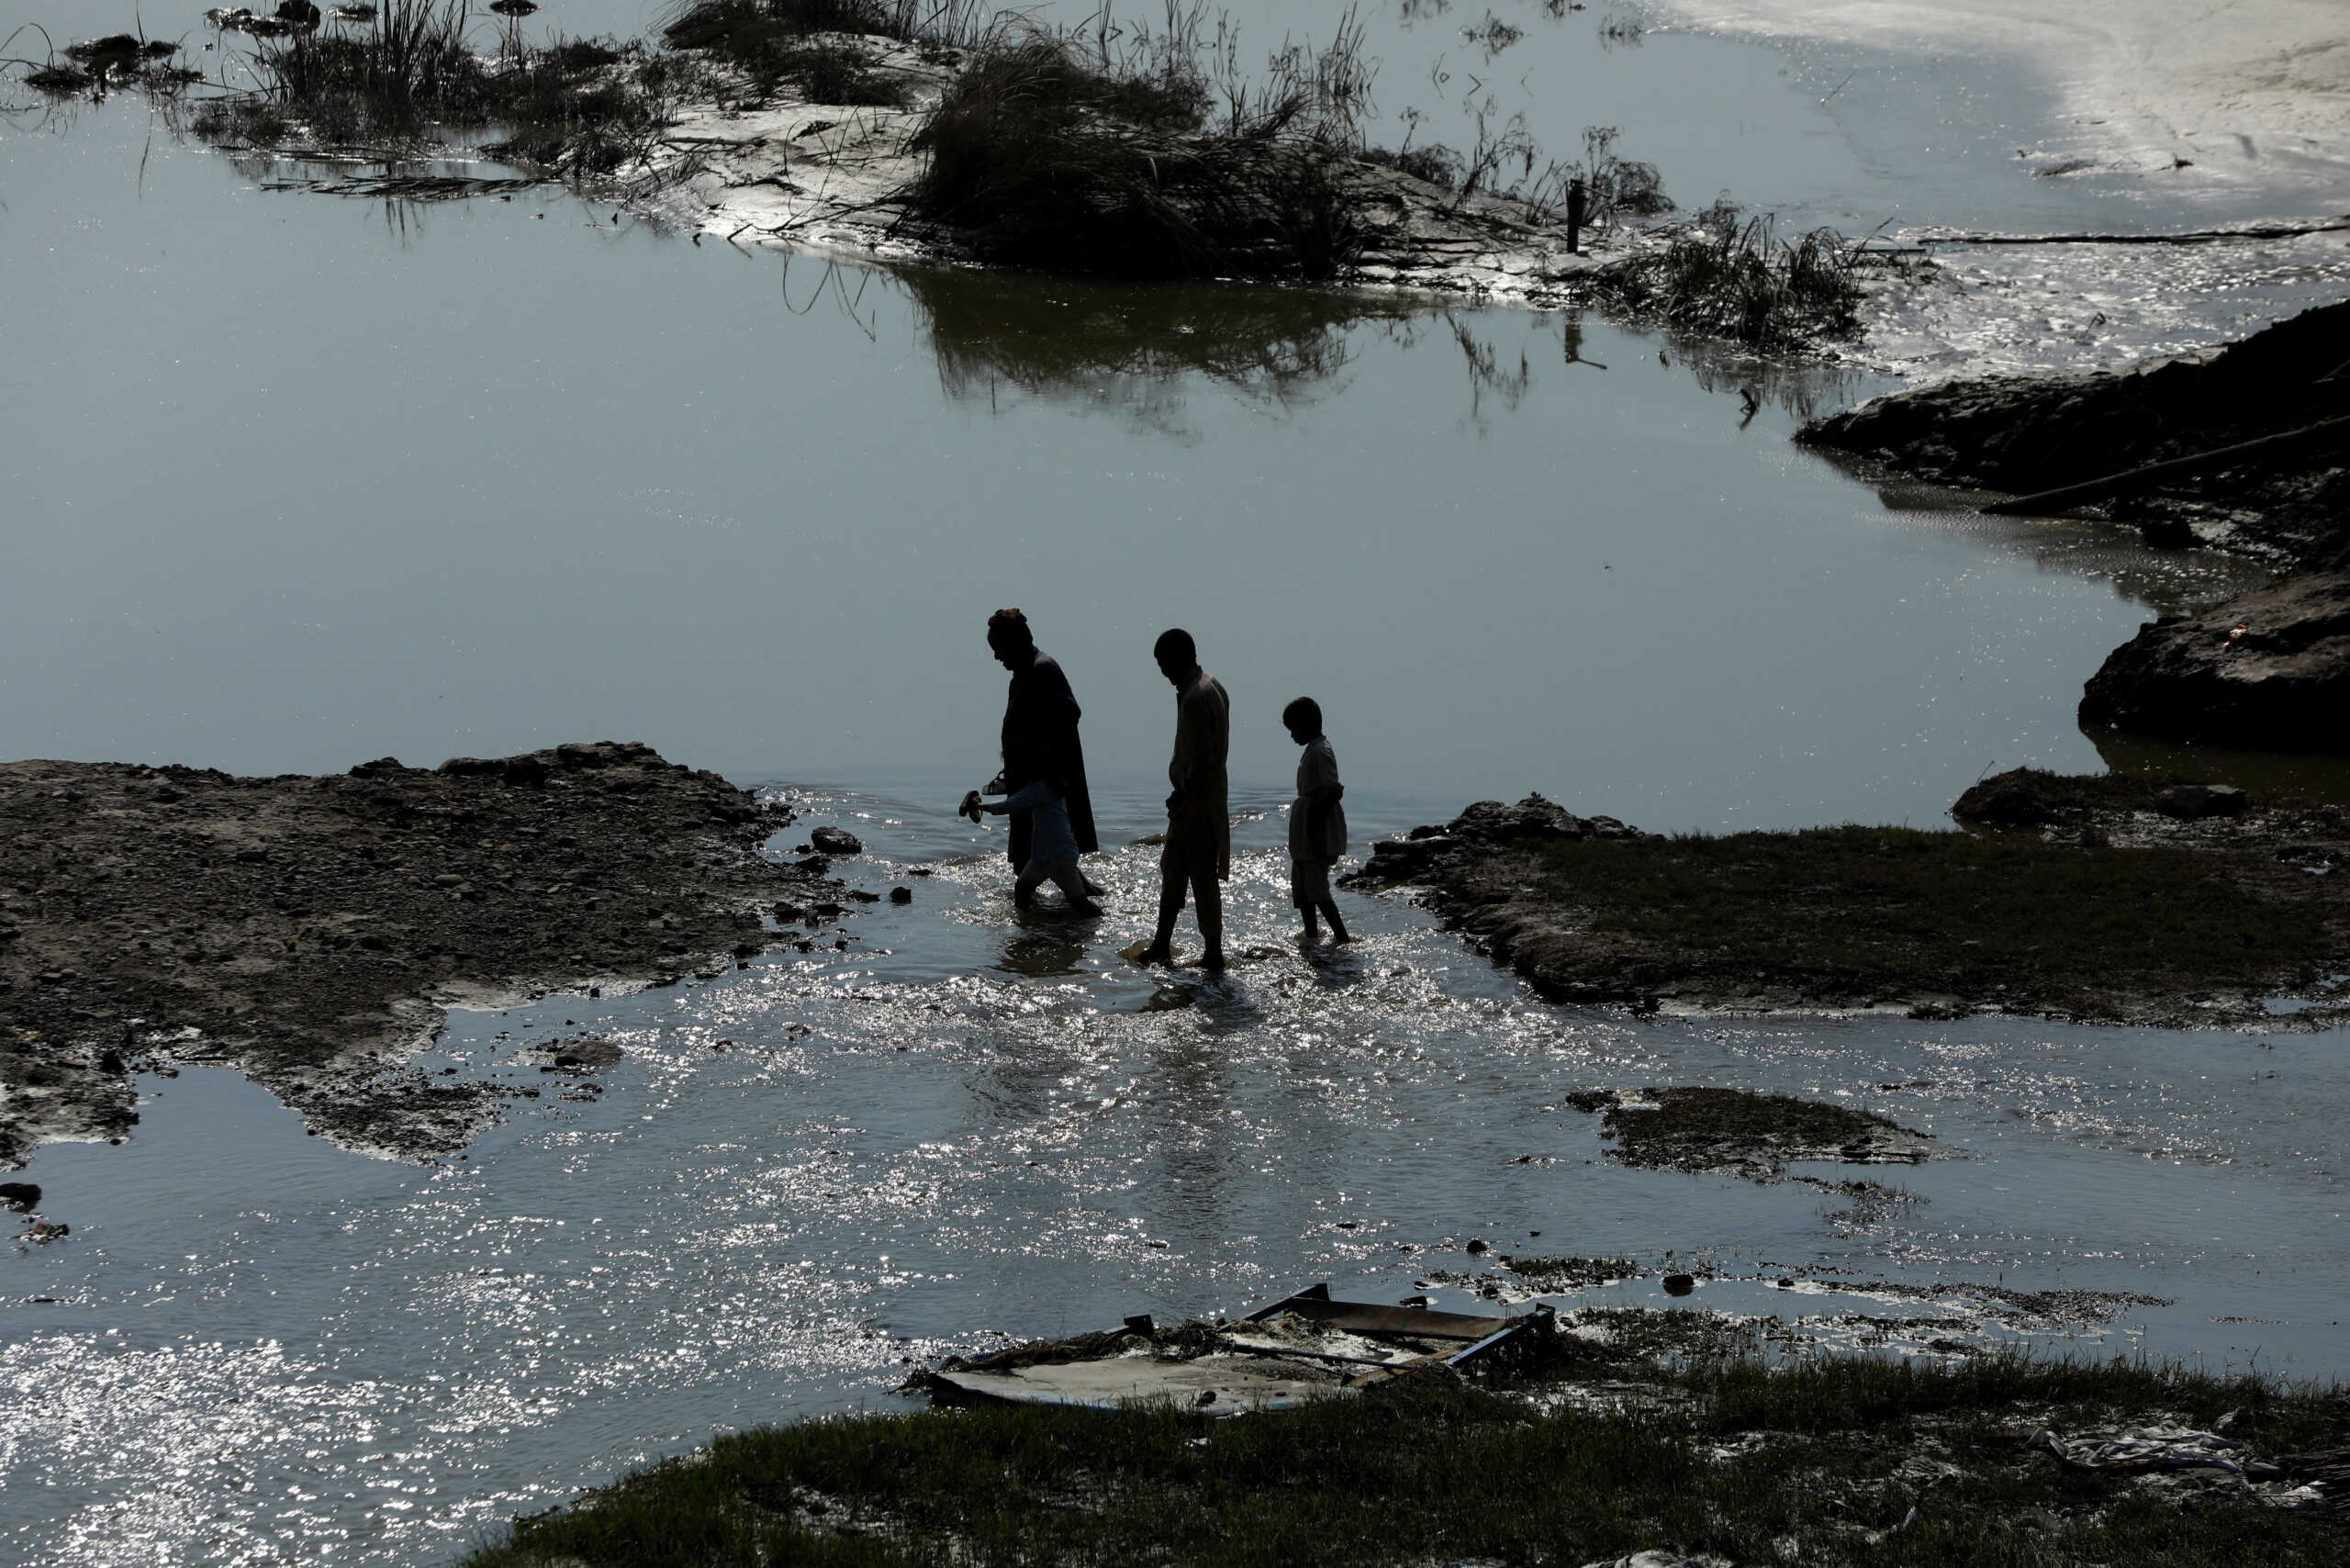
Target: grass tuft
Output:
[
  {"x": 1730, "y": 277},
  {"x": 581, "y": 107},
  {"x": 1858, "y": 912},
  {"x": 1048, "y": 154}
]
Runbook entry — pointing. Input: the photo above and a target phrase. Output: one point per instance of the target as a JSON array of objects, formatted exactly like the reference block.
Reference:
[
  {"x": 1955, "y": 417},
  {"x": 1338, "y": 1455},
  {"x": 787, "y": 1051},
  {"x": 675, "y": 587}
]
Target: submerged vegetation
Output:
[{"x": 1853, "y": 1460}]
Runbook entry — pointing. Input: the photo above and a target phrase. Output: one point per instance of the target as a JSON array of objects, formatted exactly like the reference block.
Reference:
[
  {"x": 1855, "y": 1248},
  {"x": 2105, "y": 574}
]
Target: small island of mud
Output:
[
  {"x": 2095, "y": 900},
  {"x": 312, "y": 931}
]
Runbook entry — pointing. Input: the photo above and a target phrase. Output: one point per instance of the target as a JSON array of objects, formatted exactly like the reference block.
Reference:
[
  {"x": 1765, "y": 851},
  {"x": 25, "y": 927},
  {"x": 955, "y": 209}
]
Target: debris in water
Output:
[{"x": 1301, "y": 1348}]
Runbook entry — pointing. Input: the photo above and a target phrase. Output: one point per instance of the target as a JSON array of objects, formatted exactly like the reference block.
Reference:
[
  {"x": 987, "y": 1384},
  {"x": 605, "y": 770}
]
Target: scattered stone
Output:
[
  {"x": 1680, "y": 1285},
  {"x": 19, "y": 1195},
  {"x": 1476, "y": 1246},
  {"x": 836, "y": 841},
  {"x": 902, "y": 895}
]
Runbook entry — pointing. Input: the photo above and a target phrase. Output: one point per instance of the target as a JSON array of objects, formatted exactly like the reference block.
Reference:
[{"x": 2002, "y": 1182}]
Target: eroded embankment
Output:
[
  {"x": 2247, "y": 450},
  {"x": 312, "y": 930},
  {"x": 2082, "y": 899}
]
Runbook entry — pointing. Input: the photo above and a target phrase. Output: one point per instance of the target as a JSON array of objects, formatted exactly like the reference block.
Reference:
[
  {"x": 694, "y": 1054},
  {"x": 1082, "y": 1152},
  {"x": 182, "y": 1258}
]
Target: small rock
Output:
[
  {"x": 586, "y": 1053},
  {"x": 1476, "y": 1246},
  {"x": 861, "y": 896},
  {"x": 20, "y": 1194},
  {"x": 836, "y": 841},
  {"x": 902, "y": 895},
  {"x": 48, "y": 1230},
  {"x": 448, "y": 880},
  {"x": 1680, "y": 1285},
  {"x": 2193, "y": 800}
]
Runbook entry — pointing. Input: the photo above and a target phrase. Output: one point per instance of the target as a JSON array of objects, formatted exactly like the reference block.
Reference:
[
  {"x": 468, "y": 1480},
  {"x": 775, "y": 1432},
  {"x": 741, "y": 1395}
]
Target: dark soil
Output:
[
  {"x": 2030, "y": 434},
  {"x": 311, "y": 931},
  {"x": 1746, "y": 1134},
  {"x": 2098, "y": 908}
]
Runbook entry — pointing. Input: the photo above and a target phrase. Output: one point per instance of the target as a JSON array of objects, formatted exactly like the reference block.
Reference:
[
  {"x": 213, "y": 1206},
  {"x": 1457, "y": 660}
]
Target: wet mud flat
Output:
[
  {"x": 1589, "y": 1460},
  {"x": 2091, "y": 900},
  {"x": 312, "y": 931}
]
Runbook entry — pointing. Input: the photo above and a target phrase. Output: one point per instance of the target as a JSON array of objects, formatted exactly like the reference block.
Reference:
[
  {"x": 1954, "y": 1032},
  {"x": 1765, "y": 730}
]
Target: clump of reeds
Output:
[
  {"x": 1045, "y": 151},
  {"x": 807, "y": 43},
  {"x": 1729, "y": 275},
  {"x": 1437, "y": 165},
  {"x": 580, "y": 105}
]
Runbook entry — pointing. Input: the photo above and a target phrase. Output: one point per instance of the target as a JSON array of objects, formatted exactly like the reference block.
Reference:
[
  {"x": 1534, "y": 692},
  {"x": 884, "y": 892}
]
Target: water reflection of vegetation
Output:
[{"x": 1131, "y": 345}]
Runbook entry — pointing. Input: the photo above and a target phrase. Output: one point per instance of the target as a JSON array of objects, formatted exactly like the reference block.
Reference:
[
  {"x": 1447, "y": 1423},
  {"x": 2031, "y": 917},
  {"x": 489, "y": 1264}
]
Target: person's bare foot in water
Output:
[
  {"x": 1212, "y": 961},
  {"x": 1156, "y": 952}
]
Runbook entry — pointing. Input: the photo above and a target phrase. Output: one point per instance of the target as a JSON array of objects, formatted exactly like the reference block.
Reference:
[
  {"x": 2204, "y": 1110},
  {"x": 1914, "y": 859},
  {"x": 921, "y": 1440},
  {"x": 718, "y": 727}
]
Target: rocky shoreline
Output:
[
  {"x": 2093, "y": 899},
  {"x": 311, "y": 932}
]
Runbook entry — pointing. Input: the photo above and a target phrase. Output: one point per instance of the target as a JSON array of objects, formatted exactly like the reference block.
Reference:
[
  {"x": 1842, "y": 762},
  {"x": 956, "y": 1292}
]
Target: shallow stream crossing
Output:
[{"x": 322, "y": 478}]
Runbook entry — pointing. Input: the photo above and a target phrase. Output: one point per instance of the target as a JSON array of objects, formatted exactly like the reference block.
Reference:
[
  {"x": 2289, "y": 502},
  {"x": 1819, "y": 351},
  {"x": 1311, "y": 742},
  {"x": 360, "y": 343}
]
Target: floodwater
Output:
[{"x": 301, "y": 480}]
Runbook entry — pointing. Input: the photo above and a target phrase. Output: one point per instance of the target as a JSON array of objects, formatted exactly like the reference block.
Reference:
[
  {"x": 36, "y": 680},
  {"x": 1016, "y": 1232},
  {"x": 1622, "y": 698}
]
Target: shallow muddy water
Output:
[
  {"x": 314, "y": 479},
  {"x": 810, "y": 1172}
]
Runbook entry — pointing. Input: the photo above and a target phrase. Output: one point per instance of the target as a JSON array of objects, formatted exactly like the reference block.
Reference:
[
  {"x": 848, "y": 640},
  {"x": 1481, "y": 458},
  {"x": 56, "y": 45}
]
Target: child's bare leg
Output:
[
  {"x": 1024, "y": 886},
  {"x": 1073, "y": 886},
  {"x": 1337, "y": 926},
  {"x": 1313, "y": 932}
]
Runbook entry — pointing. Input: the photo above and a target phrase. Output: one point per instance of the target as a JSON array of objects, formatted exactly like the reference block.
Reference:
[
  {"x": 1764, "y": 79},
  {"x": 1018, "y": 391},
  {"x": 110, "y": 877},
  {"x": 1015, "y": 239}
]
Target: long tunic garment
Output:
[
  {"x": 1040, "y": 741},
  {"x": 1199, "y": 824},
  {"x": 1318, "y": 771}
]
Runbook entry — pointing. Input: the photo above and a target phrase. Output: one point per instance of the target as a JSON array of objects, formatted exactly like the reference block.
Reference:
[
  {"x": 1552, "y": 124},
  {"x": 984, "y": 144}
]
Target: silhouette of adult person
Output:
[
  {"x": 1040, "y": 740},
  {"x": 1198, "y": 851}
]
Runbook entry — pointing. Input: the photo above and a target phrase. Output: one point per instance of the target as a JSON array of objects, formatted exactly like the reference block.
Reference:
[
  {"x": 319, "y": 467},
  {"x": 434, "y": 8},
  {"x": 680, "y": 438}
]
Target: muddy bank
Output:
[
  {"x": 2288, "y": 503},
  {"x": 2269, "y": 671},
  {"x": 785, "y": 168},
  {"x": 311, "y": 931},
  {"x": 2095, "y": 900}
]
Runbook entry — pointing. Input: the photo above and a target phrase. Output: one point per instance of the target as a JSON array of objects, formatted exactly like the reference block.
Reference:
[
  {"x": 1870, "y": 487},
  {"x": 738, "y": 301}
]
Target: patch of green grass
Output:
[
  {"x": 1857, "y": 914},
  {"x": 1445, "y": 1472}
]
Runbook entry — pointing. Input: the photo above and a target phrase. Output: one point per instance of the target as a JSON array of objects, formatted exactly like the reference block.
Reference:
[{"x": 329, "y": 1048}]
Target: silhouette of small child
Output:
[
  {"x": 1317, "y": 824},
  {"x": 1052, "y": 845}
]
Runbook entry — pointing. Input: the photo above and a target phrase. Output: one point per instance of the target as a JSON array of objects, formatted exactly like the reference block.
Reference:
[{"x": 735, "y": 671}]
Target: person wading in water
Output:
[
  {"x": 1199, "y": 828},
  {"x": 1040, "y": 741}
]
